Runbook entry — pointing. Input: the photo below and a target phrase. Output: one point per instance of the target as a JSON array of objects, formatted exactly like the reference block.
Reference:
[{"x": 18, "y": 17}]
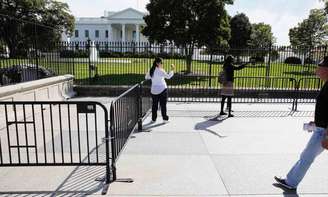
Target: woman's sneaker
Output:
[
  {"x": 283, "y": 183},
  {"x": 166, "y": 119},
  {"x": 222, "y": 113}
]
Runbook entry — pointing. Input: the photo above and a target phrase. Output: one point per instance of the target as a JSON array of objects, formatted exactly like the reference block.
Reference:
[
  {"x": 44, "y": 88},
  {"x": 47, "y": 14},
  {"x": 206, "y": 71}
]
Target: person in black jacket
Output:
[
  {"x": 314, "y": 147},
  {"x": 227, "y": 89}
]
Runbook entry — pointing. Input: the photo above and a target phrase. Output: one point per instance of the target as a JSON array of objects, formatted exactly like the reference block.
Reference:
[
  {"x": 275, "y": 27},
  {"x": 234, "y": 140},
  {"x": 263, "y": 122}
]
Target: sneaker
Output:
[
  {"x": 222, "y": 113},
  {"x": 230, "y": 115},
  {"x": 166, "y": 121},
  {"x": 152, "y": 121},
  {"x": 283, "y": 183}
]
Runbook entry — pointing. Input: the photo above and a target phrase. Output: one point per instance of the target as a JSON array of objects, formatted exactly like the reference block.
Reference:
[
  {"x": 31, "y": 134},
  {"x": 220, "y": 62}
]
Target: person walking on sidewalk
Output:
[
  {"x": 314, "y": 147},
  {"x": 158, "y": 89},
  {"x": 227, "y": 89}
]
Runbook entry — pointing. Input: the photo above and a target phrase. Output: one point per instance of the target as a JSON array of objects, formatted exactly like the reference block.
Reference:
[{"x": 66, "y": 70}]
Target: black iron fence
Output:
[
  {"x": 22, "y": 46},
  {"x": 120, "y": 64},
  {"x": 29, "y": 54},
  {"x": 116, "y": 63}
]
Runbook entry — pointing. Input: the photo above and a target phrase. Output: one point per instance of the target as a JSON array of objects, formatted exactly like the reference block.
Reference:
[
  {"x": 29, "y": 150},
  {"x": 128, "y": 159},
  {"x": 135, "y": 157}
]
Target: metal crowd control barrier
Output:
[
  {"x": 68, "y": 133},
  {"x": 260, "y": 89},
  {"x": 307, "y": 90},
  {"x": 265, "y": 90},
  {"x": 126, "y": 114},
  {"x": 62, "y": 133}
]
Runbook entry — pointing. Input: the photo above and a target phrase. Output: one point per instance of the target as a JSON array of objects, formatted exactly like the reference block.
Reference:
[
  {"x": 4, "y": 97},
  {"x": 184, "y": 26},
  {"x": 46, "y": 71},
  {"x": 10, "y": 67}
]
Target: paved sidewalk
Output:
[
  {"x": 195, "y": 154},
  {"x": 200, "y": 154}
]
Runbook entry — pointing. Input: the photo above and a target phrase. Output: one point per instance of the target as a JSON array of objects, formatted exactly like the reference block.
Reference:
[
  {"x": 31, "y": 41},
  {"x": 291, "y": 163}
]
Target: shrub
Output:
[
  {"x": 293, "y": 60},
  {"x": 144, "y": 54},
  {"x": 73, "y": 54},
  {"x": 309, "y": 60},
  {"x": 257, "y": 59}
]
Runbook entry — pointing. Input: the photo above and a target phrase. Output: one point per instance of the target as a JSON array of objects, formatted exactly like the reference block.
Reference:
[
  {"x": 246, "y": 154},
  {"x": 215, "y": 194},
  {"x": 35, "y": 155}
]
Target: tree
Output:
[
  {"x": 241, "y": 30},
  {"x": 261, "y": 36},
  {"x": 188, "y": 23},
  {"x": 326, "y": 5},
  {"x": 310, "y": 32},
  {"x": 28, "y": 23}
]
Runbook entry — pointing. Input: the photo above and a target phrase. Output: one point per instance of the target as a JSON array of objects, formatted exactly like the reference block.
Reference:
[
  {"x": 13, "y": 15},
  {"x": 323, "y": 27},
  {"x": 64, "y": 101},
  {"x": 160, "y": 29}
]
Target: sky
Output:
[{"x": 280, "y": 14}]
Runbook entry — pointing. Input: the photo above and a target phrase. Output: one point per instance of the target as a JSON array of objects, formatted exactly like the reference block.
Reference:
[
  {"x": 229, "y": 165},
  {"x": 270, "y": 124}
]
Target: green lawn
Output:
[{"x": 127, "y": 71}]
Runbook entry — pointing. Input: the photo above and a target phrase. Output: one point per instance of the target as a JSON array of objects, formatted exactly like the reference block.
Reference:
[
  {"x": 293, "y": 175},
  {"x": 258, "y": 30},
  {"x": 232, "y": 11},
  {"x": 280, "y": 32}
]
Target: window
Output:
[
  {"x": 97, "y": 33},
  {"x": 134, "y": 35},
  {"x": 86, "y": 33},
  {"x": 106, "y": 33},
  {"x": 76, "y": 33}
]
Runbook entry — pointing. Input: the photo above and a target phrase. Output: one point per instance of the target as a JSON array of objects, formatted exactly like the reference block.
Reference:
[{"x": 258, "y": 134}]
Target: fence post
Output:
[
  {"x": 210, "y": 71},
  {"x": 297, "y": 88},
  {"x": 267, "y": 72},
  {"x": 140, "y": 107},
  {"x": 89, "y": 58},
  {"x": 113, "y": 139},
  {"x": 107, "y": 138},
  {"x": 36, "y": 52}
]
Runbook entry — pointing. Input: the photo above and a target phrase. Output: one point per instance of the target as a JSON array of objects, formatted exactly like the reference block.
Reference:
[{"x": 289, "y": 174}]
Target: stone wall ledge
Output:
[{"x": 52, "y": 88}]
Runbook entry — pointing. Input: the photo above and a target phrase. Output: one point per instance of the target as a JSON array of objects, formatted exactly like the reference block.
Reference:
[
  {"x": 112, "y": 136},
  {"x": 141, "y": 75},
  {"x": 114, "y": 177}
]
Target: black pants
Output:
[
  {"x": 228, "y": 103},
  {"x": 162, "y": 99}
]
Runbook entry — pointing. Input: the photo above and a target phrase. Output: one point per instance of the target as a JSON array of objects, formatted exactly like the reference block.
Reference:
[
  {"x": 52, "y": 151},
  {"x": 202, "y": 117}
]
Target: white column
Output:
[
  {"x": 123, "y": 32},
  {"x": 110, "y": 33},
  {"x": 137, "y": 33}
]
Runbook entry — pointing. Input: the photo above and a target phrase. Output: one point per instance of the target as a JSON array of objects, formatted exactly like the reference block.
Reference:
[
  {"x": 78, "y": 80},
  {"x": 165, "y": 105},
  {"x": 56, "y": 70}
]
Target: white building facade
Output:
[{"x": 122, "y": 26}]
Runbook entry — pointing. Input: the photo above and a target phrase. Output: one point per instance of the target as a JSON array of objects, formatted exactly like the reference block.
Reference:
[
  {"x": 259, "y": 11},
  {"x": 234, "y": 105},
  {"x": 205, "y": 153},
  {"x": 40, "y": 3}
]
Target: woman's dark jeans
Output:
[{"x": 162, "y": 100}]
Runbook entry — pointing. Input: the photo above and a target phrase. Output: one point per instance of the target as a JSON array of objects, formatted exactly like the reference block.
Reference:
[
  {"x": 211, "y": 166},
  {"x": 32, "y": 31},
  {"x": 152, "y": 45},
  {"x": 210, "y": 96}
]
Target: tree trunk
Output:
[{"x": 189, "y": 53}]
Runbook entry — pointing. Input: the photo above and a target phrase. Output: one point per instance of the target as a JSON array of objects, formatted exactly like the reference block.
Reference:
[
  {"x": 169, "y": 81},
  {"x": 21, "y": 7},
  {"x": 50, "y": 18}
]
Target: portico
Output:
[
  {"x": 122, "y": 26},
  {"x": 124, "y": 32}
]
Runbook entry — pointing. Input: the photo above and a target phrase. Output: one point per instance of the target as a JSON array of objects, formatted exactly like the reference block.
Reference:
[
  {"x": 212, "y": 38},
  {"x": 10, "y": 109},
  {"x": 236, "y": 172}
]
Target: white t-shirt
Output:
[{"x": 158, "y": 83}]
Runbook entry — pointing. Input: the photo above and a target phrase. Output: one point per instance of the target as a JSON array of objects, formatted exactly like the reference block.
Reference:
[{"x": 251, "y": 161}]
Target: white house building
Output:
[{"x": 122, "y": 26}]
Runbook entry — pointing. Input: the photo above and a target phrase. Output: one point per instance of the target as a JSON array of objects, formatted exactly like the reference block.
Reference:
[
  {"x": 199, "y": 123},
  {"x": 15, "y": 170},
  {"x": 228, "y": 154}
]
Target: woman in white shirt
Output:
[{"x": 158, "y": 89}]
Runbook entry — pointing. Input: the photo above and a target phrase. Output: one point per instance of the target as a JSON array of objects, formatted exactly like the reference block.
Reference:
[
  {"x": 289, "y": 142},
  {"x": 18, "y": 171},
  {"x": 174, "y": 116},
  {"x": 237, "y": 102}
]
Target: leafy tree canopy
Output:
[
  {"x": 29, "y": 22},
  {"x": 326, "y": 5},
  {"x": 188, "y": 22},
  {"x": 261, "y": 36},
  {"x": 241, "y": 30},
  {"x": 310, "y": 32}
]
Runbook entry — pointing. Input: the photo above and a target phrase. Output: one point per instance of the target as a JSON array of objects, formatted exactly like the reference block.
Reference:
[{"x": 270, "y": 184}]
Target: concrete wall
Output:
[{"x": 53, "y": 88}]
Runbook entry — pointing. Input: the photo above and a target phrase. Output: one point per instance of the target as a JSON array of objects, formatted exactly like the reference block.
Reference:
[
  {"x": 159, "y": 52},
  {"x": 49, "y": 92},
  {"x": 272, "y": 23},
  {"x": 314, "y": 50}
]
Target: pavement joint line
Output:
[{"x": 218, "y": 172}]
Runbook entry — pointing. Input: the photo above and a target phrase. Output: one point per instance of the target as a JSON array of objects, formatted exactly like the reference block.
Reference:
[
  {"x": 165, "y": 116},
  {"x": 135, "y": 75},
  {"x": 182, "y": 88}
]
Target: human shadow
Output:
[
  {"x": 209, "y": 122},
  {"x": 286, "y": 192}
]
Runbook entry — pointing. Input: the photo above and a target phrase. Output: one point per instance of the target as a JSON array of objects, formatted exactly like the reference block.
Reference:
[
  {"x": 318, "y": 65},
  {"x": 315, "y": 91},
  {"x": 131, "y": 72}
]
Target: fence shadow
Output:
[
  {"x": 213, "y": 115},
  {"x": 300, "y": 73},
  {"x": 82, "y": 181},
  {"x": 262, "y": 114}
]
